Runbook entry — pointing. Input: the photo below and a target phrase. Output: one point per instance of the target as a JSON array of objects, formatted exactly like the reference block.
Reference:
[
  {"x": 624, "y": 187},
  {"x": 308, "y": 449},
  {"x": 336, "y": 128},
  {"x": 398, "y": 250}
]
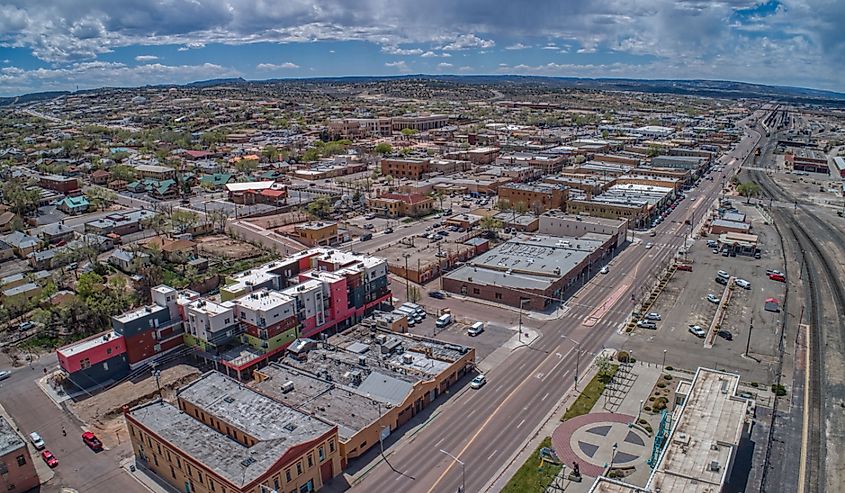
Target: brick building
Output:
[{"x": 537, "y": 197}]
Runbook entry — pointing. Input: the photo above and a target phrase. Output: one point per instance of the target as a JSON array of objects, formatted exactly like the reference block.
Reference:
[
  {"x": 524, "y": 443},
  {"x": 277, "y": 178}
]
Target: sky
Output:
[{"x": 69, "y": 44}]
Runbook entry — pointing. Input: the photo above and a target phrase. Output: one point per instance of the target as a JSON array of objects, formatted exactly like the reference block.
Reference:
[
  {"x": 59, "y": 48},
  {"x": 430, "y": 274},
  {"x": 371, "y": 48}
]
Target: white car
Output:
[
  {"x": 697, "y": 331},
  {"x": 712, "y": 298},
  {"x": 649, "y": 245},
  {"x": 37, "y": 441},
  {"x": 723, "y": 274},
  {"x": 743, "y": 283},
  {"x": 478, "y": 382},
  {"x": 604, "y": 270},
  {"x": 5, "y": 374},
  {"x": 652, "y": 316}
]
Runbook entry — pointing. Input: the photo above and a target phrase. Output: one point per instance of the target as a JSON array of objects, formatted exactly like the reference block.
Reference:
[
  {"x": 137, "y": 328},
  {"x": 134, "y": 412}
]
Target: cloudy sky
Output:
[{"x": 49, "y": 44}]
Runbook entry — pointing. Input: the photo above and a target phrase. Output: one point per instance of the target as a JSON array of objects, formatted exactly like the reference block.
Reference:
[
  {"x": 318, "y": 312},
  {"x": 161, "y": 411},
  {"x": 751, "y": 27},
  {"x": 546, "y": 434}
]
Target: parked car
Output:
[
  {"x": 387, "y": 231},
  {"x": 5, "y": 374},
  {"x": 723, "y": 274},
  {"x": 684, "y": 267},
  {"x": 36, "y": 440},
  {"x": 653, "y": 234},
  {"x": 370, "y": 217},
  {"x": 478, "y": 382},
  {"x": 440, "y": 295},
  {"x": 725, "y": 334},
  {"x": 369, "y": 226},
  {"x": 604, "y": 270},
  {"x": 649, "y": 245},
  {"x": 777, "y": 277},
  {"x": 743, "y": 283},
  {"x": 475, "y": 329},
  {"x": 712, "y": 298},
  {"x": 49, "y": 458},
  {"x": 652, "y": 316},
  {"x": 722, "y": 281},
  {"x": 716, "y": 251},
  {"x": 367, "y": 237},
  {"x": 697, "y": 331},
  {"x": 645, "y": 324},
  {"x": 773, "y": 271},
  {"x": 92, "y": 441}
]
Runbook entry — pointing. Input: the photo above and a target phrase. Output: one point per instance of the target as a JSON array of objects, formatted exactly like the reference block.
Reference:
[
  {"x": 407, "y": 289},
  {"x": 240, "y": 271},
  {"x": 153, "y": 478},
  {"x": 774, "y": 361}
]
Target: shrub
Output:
[
  {"x": 669, "y": 368},
  {"x": 622, "y": 356},
  {"x": 651, "y": 399},
  {"x": 667, "y": 377},
  {"x": 778, "y": 389},
  {"x": 661, "y": 385},
  {"x": 647, "y": 409},
  {"x": 755, "y": 384}
]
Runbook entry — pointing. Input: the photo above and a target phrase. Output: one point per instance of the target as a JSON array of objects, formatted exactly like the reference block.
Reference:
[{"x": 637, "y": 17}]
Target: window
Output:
[
  {"x": 199, "y": 476},
  {"x": 11, "y": 487},
  {"x": 172, "y": 472},
  {"x": 178, "y": 463},
  {"x": 321, "y": 453},
  {"x": 155, "y": 459},
  {"x": 299, "y": 468},
  {"x": 84, "y": 363},
  {"x": 476, "y": 291},
  {"x": 331, "y": 445},
  {"x": 276, "y": 484},
  {"x": 287, "y": 475},
  {"x": 159, "y": 447},
  {"x": 498, "y": 296},
  {"x": 108, "y": 351},
  {"x": 21, "y": 460},
  {"x": 310, "y": 460},
  {"x": 226, "y": 321}
]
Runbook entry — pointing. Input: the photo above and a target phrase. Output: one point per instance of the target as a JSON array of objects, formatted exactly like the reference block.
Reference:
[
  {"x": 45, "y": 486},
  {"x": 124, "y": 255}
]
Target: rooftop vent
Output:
[
  {"x": 287, "y": 387},
  {"x": 714, "y": 466},
  {"x": 229, "y": 399},
  {"x": 248, "y": 462},
  {"x": 290, "y": 427}
]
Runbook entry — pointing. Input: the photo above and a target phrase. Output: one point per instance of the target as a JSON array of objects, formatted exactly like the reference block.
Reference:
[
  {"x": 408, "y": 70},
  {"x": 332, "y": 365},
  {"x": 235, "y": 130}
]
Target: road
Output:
[
  {"x": 79, "y": 467},
  {"x": 485, "y": 428}
]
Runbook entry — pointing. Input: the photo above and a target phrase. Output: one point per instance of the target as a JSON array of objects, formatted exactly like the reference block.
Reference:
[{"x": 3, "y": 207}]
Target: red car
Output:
[
  {"x": 49, "y": 458},
  {"x": 92, "y": 441},
  {"x": 777, "y": 277},
  {"x": 686, "y": 267}
]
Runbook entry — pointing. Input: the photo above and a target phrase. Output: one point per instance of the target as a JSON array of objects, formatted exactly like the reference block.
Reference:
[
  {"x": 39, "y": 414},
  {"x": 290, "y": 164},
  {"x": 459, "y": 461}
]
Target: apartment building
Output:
[
  {"x": 95, "y": 361},
  {"x": 17, "y": 471},
  {"x": 401, "y": 204},
  {"x": 537, "y": 197},
  {"x": 223, "y": 437},
  {"x": 151, "y": 330},
  {"x": 412, "y": 169}
]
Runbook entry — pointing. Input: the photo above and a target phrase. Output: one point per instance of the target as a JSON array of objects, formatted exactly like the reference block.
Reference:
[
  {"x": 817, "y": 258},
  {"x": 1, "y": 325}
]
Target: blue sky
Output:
[{"x": 48, "y": 45}]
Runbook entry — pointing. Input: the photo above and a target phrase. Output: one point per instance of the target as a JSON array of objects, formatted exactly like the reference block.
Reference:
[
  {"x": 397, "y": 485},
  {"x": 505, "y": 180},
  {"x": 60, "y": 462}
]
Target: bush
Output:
[
  {"x": 779, "y": 390},
  {"x": 660, "y": 404},
  {"x": 755, "y": 384},
  {"x": 651, "y": 399},
  {"x": 667, "y": 377},
  {"x": 661, "y": 385},
  {"x": 669, "y": 368},
  {"x": 622, "y": 356},
  {"x": 647, "y": 409}
]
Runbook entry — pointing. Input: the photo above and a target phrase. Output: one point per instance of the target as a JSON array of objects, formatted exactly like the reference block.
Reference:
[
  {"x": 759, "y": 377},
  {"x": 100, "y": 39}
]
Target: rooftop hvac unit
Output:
[
  {"x": 362, "y": 360},
  {"x": 287, "y": 387},
  {"x": 714, "y": 465},
  {"x": 407, "y": 359},
  {"x": 381, "y": 338}
]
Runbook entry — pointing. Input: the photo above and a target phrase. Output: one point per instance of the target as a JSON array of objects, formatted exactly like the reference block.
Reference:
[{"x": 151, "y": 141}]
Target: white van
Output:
[
  {"x": 475, "y": 329},
  {"x": 443, "y": 320},
  {"x": 416, "y": 308}
]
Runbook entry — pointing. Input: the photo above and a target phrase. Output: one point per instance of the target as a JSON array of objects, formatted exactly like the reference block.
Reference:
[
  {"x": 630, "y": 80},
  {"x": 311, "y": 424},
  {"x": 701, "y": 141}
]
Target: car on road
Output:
[
  {"x": 36, "y": 440},
  {"x": 716, "y": 251},
  {"x": 604, "y": 270},
  {"x": 649, "y": 245},
  {"x": 697, "y": 331},
  {"x": 92, "y": 441},
  {"x": 743, "y": 283},
  {"x": 478, "y": 382},
  {"x": 440, "y": 295},
  {"x": 652, "y": 316},
  {"x": 370, "y": 217},
  {"x": 49, "y": 458},
  {"x": 777, "y": 277},
  {"x": 369, "y": 226},
  {"x": 367, "y": 237},
  {"x": 712, "y": 298},
  {"x": 723, "y": 274},
  {"x": 685, "y": 267},
  {"x": 653, "y": 234},
  {"x": 725, "y": 334},
  {"x": 387, "y": 231},
  {"x": 5, "y": 374},
  {"x": 645, "y": 324}
]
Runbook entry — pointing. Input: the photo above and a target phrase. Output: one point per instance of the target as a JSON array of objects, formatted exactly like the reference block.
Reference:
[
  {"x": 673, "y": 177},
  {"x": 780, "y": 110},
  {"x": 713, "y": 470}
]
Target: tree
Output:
[
  {"x": 504, "y": 205},
  {"x": 101, "y": 197},
  {"x": 271, "y": 153},
  {"x": 217, "y": 219},
  {"x": 407, "y": 132},
  {"x": 42, "y": 317},
  {"x": 158, "y": 223},
  {"x": 183, "y": 220},
  {"x": 89, "y": 284},
  {"x": 654, "y": 151},
  {"x": 19, "y": 198},
  {"x": 246, "y": 166},
  {"x": 748, "y": 190},
  {"x": 122, "y": 172},
  {"x": 320, "y": 207},
  {"x": 383, "y": 148},
  {"x": 490, "y": 224},
  {"x": 310, "y": 155},
  {"x": 119, "y": 156}
]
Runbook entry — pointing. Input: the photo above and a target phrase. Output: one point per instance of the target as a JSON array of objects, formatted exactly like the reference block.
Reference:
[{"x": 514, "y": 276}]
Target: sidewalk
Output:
[{"x": 145, "y": 477}]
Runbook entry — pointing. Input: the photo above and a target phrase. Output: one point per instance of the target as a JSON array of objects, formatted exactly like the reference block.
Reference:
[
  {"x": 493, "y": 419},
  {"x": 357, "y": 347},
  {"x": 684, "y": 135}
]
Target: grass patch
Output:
[
  {"x": 530, "y": 478},
  {"x": 590, "y": 395}
]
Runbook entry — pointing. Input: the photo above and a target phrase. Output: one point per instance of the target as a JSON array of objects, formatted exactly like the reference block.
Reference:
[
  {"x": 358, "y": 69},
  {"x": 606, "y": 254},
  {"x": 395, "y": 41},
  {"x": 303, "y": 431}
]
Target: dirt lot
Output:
[
  {"x": 684, "y": 302},
  {"x": 276, "y": 220},
  {"x": 221, "y": 246},
  {"x": 102, "y": 412}
]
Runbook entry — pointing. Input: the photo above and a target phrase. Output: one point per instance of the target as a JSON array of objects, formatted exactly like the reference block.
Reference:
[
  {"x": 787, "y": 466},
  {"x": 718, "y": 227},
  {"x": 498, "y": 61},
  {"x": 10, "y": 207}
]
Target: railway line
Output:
[{"x": 823, "y": 286}]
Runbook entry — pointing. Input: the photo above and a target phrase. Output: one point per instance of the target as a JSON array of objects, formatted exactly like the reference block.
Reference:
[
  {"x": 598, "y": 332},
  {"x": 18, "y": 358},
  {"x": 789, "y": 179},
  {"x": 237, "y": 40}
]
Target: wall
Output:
[
  {"x": 101, "y": 373},
  {"x": 20, "y": 478}
]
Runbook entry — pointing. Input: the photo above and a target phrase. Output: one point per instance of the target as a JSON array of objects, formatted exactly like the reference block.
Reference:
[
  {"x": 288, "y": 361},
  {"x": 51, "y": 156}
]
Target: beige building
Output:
[{"x": 317, "y": 233}]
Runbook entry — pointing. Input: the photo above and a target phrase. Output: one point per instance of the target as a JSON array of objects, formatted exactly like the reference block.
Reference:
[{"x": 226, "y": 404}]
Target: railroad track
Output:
[{"x": 816, "y": 261}]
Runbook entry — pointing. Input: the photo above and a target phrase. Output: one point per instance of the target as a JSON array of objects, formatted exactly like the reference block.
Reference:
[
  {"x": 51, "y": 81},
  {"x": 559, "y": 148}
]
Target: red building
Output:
[
  {"x": 58, "y": 183},
  {"x": 95, "y": 361}
]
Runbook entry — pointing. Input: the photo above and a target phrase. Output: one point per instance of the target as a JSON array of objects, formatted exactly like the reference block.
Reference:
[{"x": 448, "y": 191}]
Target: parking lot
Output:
[
  {"x": 495, "y": 335},
  {"x": 684, "y": 302}
]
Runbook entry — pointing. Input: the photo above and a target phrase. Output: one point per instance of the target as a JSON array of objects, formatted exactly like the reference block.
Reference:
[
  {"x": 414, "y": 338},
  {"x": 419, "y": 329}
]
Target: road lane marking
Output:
[
  {"x": 494, "y": 453},
  {"x": 439, "y": 442},
  {"x": 520, "y": 423},
  {"x": 544, "y": 397},
  {"x": 562, "y": 359}
]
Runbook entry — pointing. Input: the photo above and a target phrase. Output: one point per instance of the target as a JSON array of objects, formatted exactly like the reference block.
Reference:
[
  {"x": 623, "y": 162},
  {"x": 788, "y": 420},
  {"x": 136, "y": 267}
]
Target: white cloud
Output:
[
  {"x": 273, "y": 66},
  {"x": 146, "y": 58},
  {"x": 401, "y": 65},
  {"x": 517, "y": 46},
  {"x": 468, "y": 41},
  {"x": 443, "y": 65},
  {"x": 196, "y": 45},
  {"x": 431, "y": 54},
  {"x": 550, "y": 47},
  {"x": 395, "y": 50}
]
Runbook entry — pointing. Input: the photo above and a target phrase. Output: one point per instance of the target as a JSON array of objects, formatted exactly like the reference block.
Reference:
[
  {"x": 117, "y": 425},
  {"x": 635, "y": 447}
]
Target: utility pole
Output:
[
  {"x": 157, "y": 375},
  {"x": 462, "y": 489},
  {"x": 748, "y": 343},
  {"x": 407, "y": 279},
  {"x": 577, "y": 364}
]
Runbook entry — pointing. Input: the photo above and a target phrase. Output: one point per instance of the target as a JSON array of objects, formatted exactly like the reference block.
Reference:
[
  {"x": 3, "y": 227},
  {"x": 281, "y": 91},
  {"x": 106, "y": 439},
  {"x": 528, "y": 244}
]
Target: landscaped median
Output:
[{"x": 534, "y": 476}]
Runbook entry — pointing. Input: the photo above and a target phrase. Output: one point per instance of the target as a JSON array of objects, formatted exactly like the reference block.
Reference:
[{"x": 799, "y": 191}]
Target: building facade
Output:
[{"x": 17, "y": 471}]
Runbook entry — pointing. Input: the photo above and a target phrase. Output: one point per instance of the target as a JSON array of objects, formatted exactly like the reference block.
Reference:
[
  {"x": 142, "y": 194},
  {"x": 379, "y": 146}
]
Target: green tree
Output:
[
  {"x": 246, "y": 166},
  {"x": 183, "y": 220},
  {"x": 748, "y": 190},
  {"x": 122, "y": 172},
  {"x": 89, "y": 284},
  {"x": 42, "y": 317},
  {"x": 271, "y": 153},
  {"x": 407, "y": 132},
  {"x": 310, "y": 155},
  {"x": 654, "y": 151},
  {"x": 320, "y": 207},
  {"x": 158, "y": 223},
  {"x": 19, "y": 198},
  {"x": 100, "y": 197},
  {"x": 490, "y": 224},
  {"x": 119, "y": 156},
  {"x": 383, "y": 148}
]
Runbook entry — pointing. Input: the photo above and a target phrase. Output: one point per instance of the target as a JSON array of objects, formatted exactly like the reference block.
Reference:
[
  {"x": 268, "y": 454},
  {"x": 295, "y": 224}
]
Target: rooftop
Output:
[
  {"x": 86, "y": 344},
  {"x": 139, "y": 313},
  {"x": 9, "y": 438},
  {"x": 264, "y": 299},
  {"x": 20, "y": 289}
]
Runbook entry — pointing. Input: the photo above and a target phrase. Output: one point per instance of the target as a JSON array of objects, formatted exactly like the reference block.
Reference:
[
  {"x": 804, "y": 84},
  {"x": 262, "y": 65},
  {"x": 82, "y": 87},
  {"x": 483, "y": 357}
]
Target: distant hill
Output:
[{"x": 708, "y": 88}]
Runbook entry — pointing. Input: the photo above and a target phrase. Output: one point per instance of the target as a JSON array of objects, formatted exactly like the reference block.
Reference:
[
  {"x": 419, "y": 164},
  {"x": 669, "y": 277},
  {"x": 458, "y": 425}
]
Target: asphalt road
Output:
[
  {"x": 484, "y": 428},
  {"x": 79, "y": 467}
]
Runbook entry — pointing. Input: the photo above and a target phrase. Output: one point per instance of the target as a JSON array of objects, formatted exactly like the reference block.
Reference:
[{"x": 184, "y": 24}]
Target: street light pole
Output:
[
  {"x": 748, "y": 343},
  {"x": 463, "y": 471},
  {"x": 664, "y": 359}
]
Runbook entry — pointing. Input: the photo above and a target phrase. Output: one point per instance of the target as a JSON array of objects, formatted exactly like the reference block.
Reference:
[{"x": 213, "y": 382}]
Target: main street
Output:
[{"x": 485, "y": 428}]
